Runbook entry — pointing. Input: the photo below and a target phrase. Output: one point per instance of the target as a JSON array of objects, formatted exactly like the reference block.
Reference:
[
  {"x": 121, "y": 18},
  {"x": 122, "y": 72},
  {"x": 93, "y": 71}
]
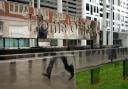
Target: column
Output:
[
  {"x": 110, "y": 40},
  {"x": 38, "y": 12},
  {"x": 33, "y": 3},
  {"x": 104, "y": 24},
  {"x": 98, "y": 39},
  {"x": 59, "y": 6},
  {"x": 83, "y": 42},
  {"x": 84, "y": 9},
  {"x": 60, "y": 10},
  {"x": 38, "y": 6},
  {"x": 30, "y": 25}
]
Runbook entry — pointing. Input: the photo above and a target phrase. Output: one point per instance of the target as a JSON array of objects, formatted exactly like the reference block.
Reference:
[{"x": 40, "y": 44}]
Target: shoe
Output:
[
  {"x": 71, "y": 77},
  {"x": 47, "y": 75},
  {"x": 71, "y": 72}
]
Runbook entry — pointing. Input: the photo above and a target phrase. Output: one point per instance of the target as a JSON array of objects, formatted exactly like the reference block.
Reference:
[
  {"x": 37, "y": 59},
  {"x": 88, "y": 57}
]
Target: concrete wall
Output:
[
  {"x": 124, "y": 38},
  {"x": 14, "y": 22}
]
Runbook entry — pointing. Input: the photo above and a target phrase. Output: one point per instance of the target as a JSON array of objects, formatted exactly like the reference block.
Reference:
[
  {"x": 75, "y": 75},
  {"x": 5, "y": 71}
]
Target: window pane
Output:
[
  {"x": 7, "y": 43},
  {"x": 21, "y": 8},
  {"x": 16, "y": 8},
  {"x": 15, "y": 43},
  {"x": 11, "y": 7},
  {"x": 26, "y": 9}
]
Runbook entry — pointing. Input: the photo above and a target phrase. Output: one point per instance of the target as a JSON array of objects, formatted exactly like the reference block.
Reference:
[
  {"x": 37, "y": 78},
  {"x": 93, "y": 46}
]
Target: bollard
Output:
[
  {"x": 95, "y": 75},
  {"x": 125, "y": 69}
]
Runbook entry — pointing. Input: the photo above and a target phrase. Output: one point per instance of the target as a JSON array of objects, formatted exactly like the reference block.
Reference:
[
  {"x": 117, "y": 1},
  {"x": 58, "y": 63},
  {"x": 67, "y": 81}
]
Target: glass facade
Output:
[{"x": 14, "y": 43}]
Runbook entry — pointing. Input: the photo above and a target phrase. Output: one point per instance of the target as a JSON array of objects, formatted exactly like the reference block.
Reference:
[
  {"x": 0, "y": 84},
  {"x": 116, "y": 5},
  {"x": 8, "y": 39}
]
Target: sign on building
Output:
[{"x": 63, "y": 26}]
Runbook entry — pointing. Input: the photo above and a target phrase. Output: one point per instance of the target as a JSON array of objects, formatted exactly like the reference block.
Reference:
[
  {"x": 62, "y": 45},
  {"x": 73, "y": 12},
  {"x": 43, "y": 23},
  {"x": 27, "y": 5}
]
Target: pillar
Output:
[
  {"x": 104, "y": 24},
  {"x": 110, "y": 38},
  {"x": 60, "y": 10},
  {"x": 98, "y": 39},
  {"x": 84, "y": 9},
  {"x": 83, "y": 42},
  {"x": 38, "y": 12},
  {"x": 95, "y": 75},
  {"x": 38, "y": 6},
  {"x": 33, "y": 3},
  {"x": 59, "y": 6},
  {"x": 125, "y": 69}
]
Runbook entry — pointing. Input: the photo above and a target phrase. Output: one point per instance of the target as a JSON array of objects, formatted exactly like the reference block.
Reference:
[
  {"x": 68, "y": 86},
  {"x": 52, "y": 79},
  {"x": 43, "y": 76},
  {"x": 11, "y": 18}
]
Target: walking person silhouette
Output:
[
  {"x": 68, "y": 68},
  {"x": 42, "y": 33}
]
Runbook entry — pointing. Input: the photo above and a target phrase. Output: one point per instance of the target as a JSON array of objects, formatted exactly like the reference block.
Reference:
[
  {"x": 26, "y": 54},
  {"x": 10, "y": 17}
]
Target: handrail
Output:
[{"x": 83, "y": 58}]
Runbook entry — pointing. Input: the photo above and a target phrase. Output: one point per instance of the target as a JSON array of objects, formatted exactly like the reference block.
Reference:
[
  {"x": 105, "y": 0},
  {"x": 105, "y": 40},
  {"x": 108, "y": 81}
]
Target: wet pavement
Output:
[{"x": 28, "y": 75}]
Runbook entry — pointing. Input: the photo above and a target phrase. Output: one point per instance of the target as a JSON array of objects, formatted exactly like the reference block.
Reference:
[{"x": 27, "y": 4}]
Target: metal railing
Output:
[
  {"x": 84, "y": 59},
  {"x": 31, "y": 66}
]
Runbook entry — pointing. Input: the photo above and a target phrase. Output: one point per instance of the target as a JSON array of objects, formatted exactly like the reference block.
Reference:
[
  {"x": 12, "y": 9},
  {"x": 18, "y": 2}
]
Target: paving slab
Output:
[{"x": 29, "y": 74}]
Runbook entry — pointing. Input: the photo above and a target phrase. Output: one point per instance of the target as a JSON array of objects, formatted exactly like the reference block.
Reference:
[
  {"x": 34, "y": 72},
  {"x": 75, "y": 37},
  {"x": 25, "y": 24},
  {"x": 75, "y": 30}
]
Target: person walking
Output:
[{"x": 68, "y": 68}]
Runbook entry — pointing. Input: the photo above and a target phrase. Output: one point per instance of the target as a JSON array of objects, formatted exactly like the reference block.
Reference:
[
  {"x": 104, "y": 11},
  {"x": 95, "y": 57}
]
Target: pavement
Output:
[{"x": 28, "y": 75}]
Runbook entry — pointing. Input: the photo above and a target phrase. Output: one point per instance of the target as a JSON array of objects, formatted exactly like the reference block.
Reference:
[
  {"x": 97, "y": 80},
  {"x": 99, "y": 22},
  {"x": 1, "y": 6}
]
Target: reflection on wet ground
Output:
[{"x": 28, "y": 75}]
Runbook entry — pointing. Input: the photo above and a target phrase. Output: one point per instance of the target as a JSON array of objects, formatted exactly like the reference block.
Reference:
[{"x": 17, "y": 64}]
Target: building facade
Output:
[{"x": 116, "y": 15}]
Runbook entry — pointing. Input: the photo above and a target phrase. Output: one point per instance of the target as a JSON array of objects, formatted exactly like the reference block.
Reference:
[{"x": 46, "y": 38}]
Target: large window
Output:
[
  {"x": 23, "y": 43},
  {"x": 21, "y": 8},
  {"x": 87, "y": 7},
  {"x": 25, "y": 9},
  {"x": 16, "y": 8},
  {"x": 16, "y": 43},
  {"x": 107, "y": 15},
  {"x": 11, "y": 43},
  {"x": 11, "y": 7},
  {"x": 113, "y": 16},
  {"x": 97, "y": 10},
  {"x": 91, "y": 10},
  {"x": 94, "y": 8},
  {"x": 88, "y": 17},
  {"x": 119, "y": 2},
  {"x": 53, "y": 42},
  {"x": 101, "y": 15},
  {"x": 113, "y": 2}
]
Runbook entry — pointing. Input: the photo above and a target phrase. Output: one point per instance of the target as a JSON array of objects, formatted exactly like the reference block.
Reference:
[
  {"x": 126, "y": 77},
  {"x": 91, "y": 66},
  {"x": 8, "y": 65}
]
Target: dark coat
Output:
[{"x": 42, "y": 32}]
